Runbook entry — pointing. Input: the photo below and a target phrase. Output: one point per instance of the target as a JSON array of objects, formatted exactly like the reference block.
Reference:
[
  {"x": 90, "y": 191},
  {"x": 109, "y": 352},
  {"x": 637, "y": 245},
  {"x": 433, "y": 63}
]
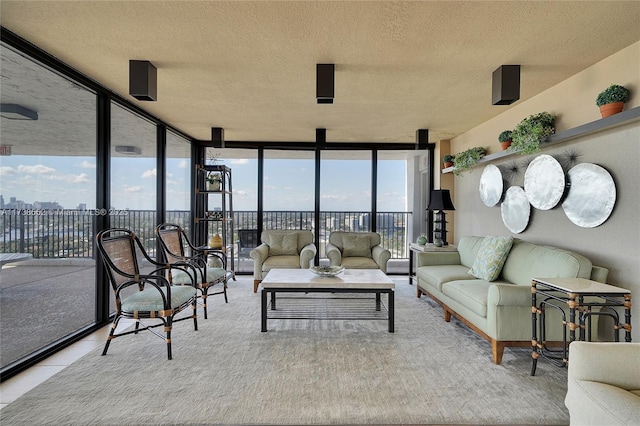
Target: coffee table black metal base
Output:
[{"x": 375, "y": 310}]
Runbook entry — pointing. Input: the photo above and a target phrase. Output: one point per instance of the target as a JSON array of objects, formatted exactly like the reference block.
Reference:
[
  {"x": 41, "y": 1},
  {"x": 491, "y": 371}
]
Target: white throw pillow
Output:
[{"x": 492, "y": 254}]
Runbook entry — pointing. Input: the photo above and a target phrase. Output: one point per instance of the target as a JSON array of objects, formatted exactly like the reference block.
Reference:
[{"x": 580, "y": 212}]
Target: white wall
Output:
[{"x": 616, "y": 243}]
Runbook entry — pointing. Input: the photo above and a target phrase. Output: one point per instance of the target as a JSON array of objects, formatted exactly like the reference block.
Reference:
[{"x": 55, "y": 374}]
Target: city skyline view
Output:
[{"x": 288, "y": 184}]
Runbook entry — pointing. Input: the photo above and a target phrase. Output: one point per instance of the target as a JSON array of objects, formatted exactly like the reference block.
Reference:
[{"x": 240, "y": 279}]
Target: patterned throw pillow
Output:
[
  {"x": 283, "y": 245},
  {"x": 356, "y": 246},
  {"x": 491, "y": 257}
]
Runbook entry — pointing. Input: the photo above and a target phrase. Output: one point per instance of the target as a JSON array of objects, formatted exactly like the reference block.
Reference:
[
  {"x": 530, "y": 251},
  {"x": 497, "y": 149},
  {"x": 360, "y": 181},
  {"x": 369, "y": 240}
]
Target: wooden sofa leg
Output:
[
  {"x": 497, "y": 349},
  {"x": 418, "y": 292},
  {"x": 255, "y": 285},
  {"x": 447, "y": 316}
]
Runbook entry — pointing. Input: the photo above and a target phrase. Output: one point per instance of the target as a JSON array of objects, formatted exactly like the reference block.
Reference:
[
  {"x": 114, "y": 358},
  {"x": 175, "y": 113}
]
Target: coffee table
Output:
[{"x": 372, "y": 281}]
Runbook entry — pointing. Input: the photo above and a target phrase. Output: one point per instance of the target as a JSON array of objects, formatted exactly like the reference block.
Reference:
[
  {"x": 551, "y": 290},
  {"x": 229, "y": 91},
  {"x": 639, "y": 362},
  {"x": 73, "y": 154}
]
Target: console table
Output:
[
  {"x": 427, "y": 248},
  {"x": 551, "y": 292}
]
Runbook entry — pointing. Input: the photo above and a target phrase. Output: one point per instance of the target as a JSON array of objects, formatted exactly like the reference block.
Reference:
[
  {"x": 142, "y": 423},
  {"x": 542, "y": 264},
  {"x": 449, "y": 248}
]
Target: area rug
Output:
[{"x": 300, "y": 372}]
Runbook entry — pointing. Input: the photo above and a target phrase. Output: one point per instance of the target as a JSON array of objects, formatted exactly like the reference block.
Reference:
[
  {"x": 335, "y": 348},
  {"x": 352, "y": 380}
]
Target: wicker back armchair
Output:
[
  {"x": 141, "y": 295},
  {"x": 180, "y": 253}
]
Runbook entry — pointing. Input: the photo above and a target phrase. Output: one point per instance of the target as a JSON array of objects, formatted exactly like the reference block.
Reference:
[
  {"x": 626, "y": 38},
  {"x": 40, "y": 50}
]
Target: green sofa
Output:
[{"x": 499, "y": 310}]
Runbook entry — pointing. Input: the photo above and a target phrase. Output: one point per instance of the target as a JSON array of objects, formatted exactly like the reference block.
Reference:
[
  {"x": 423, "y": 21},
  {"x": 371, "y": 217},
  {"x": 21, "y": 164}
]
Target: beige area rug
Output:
[{"x": 300, "y": 372}]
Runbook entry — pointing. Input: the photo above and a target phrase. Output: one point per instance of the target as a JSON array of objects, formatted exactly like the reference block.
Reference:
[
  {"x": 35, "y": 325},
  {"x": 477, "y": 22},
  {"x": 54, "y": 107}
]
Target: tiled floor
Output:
[{"x": 20, "y": 384}]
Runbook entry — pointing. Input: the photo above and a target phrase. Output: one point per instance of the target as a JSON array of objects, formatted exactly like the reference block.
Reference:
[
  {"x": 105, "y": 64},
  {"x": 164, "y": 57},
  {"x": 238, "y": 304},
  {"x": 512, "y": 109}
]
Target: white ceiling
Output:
[{"x": 249, "y": 67}]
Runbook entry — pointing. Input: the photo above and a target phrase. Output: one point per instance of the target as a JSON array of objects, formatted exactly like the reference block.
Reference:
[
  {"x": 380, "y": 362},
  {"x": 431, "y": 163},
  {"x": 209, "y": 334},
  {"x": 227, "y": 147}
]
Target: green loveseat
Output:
[{"x": 499, "y": 310}]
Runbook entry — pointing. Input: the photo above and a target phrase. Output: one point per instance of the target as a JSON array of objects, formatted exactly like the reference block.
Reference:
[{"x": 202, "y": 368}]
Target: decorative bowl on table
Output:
[{"x": 327, "y": 271}]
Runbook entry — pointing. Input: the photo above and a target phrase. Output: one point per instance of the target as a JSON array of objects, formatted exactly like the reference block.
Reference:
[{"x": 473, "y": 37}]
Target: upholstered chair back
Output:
[
  {"x": 286, "y": 241},
  {"x": 337, "y": 238}
]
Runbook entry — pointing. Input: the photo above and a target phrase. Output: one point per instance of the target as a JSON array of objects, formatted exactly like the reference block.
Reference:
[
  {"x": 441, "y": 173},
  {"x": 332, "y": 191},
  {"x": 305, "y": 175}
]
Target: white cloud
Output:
[
  {"x": 87, "y": 165},
  {"x": 81, "y": 178},
  {"x": 137, "y": 188},
  {"x": 240, "y": 161},
  {"x": 7, "y": 171},
  {"x": 38, "y": 169},
  {"x": 149, "y": 173},
  {"x": 183, "y": 164}
]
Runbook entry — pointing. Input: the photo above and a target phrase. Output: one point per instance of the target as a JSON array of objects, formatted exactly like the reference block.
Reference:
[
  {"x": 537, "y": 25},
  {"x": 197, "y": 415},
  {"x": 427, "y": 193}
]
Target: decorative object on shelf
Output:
[
  {"x": 215, "y": 241},
  {"x": 505, "y": 139},
  {"x": 214, "y": 182},
  {"x": 440, "y": 201},
  {"x": 438, "y": 242},
  {"x": 591, "y": 197},
  {"x": 515, "y": 210},
  {"x": 327, "y": 271},
  {"x": 531, "y": 132},
  {"x": 465, "y": 160},
  {"x": 544, "y": 182},
  {"x": 447, "y": 160},
  {"x": 422, "y": 239},
  {"x": 611, "y": 100},
  {"x": 491, "y": 185}
]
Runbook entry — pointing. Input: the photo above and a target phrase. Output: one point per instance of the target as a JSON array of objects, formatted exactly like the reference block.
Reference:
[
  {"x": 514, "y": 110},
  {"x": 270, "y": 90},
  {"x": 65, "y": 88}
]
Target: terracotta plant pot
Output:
[
  {"x": 610, "y": 109},
  {"x": 505, "y": 144},
  {"x": 448, "y": 164}
]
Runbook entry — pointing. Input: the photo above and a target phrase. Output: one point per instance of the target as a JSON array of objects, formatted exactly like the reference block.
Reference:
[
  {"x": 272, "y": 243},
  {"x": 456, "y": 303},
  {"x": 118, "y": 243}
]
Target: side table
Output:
[
  {"x": 572, "y": 292},
  {"x": 427, "y": 248}
]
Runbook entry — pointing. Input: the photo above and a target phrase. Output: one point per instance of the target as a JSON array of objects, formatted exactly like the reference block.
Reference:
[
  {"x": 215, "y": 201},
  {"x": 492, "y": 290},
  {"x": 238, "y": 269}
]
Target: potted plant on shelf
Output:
[
  {"x": 527, "y": 136},
  {"x": 611, "y": 100},
  {"x": 214, "y": 181},
  {"x": 465, "y": 160},
  {"x": 505, "y": 139},
  {"x": 447, "y": 160}
]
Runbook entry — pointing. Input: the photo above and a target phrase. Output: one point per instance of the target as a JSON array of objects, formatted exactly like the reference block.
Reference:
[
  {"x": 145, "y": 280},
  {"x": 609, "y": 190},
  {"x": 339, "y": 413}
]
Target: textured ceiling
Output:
[{"x": 249, "y": 67}]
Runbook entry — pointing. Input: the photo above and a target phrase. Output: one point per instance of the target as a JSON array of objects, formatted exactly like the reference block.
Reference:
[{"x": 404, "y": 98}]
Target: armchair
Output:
[
  {"x": 142, "y": 296},
  {"x": 357, "y": 250},
  {"x": 282, "y": 249},
  {"x": 180, "y": 253}
]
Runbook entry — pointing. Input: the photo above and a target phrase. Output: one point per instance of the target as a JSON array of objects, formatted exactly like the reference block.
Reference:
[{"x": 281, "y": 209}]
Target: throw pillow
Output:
[
  {"x": 283, "y": 245},
  {"x": 492, "y": 254},
  {"x": 356, "y": 246}
]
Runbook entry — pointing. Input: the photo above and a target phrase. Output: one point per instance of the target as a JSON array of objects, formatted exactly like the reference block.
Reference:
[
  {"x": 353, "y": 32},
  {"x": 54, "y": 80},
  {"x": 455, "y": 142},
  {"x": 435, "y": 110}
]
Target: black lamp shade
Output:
[{"x": 440, "y": 200}]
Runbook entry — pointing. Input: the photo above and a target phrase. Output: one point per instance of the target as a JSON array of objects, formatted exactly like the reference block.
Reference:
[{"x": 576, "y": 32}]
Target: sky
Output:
[{"x": 289, "y": 184}]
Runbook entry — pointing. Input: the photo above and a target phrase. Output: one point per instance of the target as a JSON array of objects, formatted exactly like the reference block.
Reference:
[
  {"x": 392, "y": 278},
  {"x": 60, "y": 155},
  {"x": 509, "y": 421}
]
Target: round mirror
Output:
[
  {"x": 544, "y": 182},
  {"x": 591, "y": 196},
  {"x": 491, "y": 186},
  {"x": 515, "y": 210}
]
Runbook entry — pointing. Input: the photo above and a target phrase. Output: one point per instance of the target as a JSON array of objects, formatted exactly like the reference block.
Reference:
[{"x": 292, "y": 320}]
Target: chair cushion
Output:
[
  {"x": 281, "y": 262},
  {"x": 150, "y": 300},
  {"x": 470, "y": 293},
  {"x": 491, "y": 256},
  {"x": 213, "y": 274},
  {"x": 356, "y": 246},
  {"x": 283, "y": 245},
  {"x": 359, "y": 263}
]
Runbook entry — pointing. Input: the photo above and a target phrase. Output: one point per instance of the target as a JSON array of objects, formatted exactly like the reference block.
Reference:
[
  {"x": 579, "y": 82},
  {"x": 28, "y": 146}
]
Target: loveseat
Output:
[
  {"x": 357, "y": 250},
  {"x": 603, "y": 385},
  {"x": 496, "y": 302},
  {"x": 282, "y": 249}
]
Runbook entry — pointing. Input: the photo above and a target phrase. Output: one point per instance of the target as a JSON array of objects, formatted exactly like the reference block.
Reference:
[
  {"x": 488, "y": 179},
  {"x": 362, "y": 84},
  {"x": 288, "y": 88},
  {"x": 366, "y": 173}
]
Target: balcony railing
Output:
[{"x": 70, "y": 233}]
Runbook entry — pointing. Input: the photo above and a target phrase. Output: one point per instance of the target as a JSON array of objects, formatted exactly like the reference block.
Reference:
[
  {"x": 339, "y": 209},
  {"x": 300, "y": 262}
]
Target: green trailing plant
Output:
[
  {"x": 448, "y": 158},
  {"x": 465, "y": 160},
  {"x": 531, "y": 132},
  {"x": 505, "y": 136},
  {"x": 613, "y": 93}
]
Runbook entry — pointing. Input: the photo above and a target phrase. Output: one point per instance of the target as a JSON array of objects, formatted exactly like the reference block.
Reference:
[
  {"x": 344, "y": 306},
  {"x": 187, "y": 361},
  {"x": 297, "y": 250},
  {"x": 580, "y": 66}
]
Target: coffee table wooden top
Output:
[{"x": 304, "y": 278}]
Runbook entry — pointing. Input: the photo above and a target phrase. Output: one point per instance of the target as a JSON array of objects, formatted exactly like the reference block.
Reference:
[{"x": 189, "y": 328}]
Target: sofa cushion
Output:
[
  {"x": 470, "y": 293},
  {"x": 468, "y": 249},
  {"x": 281, "y": 262},
  {"x": 283, "y": 244},
  {"x": 359, "y": 263},
  {"x": 491, "y": 257},
  {"x": 356, "y": 246},
  {"x": 436, "y": 275}
]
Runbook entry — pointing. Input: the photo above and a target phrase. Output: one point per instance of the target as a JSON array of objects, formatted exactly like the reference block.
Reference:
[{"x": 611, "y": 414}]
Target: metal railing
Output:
[{"x": 70, "y": 233}]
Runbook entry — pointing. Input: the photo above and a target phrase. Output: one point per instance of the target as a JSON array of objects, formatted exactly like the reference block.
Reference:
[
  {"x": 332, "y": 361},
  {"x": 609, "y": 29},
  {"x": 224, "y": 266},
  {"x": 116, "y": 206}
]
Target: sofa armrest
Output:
[
  {"x": 307, "y": 254},
  {"x": 432, "y": 258},
  {"x": 501, "y": 294},
  {"x": 259, "y": 255},
  {"x": 613, "y": 363},
  {"x": 381, "y": 256},
  {"x": 334, "y": 255}
]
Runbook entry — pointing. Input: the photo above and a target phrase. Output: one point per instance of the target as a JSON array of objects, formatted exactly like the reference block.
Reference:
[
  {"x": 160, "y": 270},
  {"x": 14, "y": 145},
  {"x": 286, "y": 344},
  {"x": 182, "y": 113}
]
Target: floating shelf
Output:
[{"x": 602, "y": 124}]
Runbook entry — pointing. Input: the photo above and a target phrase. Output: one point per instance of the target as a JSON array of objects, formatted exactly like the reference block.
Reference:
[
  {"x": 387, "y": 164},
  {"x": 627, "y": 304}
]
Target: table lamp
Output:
[{"x": 439, "y": 202}]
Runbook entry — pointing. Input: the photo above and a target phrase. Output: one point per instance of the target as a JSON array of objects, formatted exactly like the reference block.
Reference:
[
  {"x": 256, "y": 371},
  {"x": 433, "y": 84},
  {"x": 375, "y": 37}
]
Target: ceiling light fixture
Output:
[
  {"x": 17, "y": 112},
  {"x": 325, "y": 76},
  {"x": 217, "y": 137},
  {"x": 506, "y": 85},
  {"x": 128, "y": 150},
  {"x": 422, "y": 138},
  {"x": 143, "y": 80}
]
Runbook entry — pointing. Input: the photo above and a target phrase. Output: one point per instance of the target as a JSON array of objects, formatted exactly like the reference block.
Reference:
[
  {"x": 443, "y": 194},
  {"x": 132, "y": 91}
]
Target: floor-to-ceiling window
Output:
[
  {"x": 178, "y": 181},
  {"x": 47, "y": 198},
  {"x": 392, "y": 203}
]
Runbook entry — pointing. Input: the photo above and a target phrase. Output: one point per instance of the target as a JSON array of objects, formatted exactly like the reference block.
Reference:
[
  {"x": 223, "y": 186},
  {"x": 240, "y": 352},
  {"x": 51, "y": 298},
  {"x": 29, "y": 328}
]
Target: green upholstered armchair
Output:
[
  {"x": 357, "y": 250},
  {"x": 282, "y": 249}
]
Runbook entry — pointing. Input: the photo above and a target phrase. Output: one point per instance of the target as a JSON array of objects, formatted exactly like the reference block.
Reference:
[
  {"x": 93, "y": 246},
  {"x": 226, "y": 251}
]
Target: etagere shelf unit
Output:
[{"x": 214, "y": 210}]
